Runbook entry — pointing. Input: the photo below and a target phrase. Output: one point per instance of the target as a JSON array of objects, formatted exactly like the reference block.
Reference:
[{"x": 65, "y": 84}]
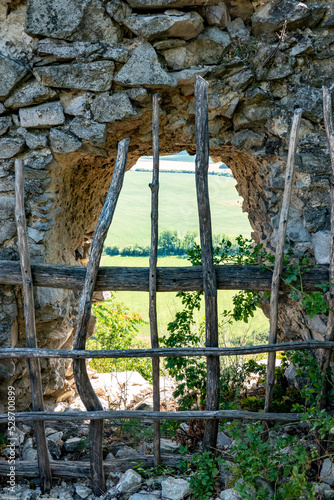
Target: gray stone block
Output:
[
  {"x": 45, "y": 115},
  {"x": 89, "y": 130},
  {"x": 62, "y": 142},
  {"x": 108, "y": 108},
  {"x": 31, "y": 93},
  {"x": 10, "y": 146},
  {"x": 11, "y": 73}
]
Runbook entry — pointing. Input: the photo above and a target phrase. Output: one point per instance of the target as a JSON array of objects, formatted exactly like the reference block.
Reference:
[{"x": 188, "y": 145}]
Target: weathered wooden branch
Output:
[
  {"x": 170, "y": 352},
  {"x": 169, "y": 279},
  {"x": 279, "y": 257},
  {"x": 325, "y": 355},
  {"x": 209, "y": 275},
  {"x": 153, "y": 276},
  {"x": 82, "y": 469},
  {"x": 30, "y": 328},
  {"x": 85, "y": 389},
  {"x": 52, "y": 416}
]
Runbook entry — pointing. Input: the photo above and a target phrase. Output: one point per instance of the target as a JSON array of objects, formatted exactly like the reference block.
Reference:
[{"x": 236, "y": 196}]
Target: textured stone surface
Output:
[
  {"x": 29, "y": 94},
  {"x": 91, "y": 76},
  {"x": 90, "y": 131},
  {"x": 159, "y": 4},
  {"x": 62, "y": 142},
  {"x": 217, "y": 15},
  {"x": 96, "y": 25},
  {"x": 240, "y": 8},
  {"x": 129, "y": 481},
  {"x": 230, "y": 494},
  {"x": 175, "y": 489},
  {"x": 36, "y": 140},
  {"x": 55, "y": 18},
  {"x": 327, "y": 472},
  {"x": 61, "y": 50},
  {"x": 144, "y": 69},
  {"x": 321, "y": 246},
  {"x": 11, "y": 73},
  {"x": 10, "y": 146},
  {"x": 44, "y": 115},
  {"x": 118, "y": 10},
  {"x": 5, "y": 123},
  {"x": 171, "y": 24},
  {"x": 108, "y": 108}
]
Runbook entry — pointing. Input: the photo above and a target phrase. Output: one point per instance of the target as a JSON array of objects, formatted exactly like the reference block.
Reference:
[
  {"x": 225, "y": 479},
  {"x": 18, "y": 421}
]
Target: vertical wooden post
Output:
[
  {"x": 85, "y": 389},
  {"x": 30, "y": 327},
  {"x": 209, "y": 276},
  {"x": 279, "y": 257},
  {"x": 153, "y": 277},
  {"x": 325, "y": 355}
]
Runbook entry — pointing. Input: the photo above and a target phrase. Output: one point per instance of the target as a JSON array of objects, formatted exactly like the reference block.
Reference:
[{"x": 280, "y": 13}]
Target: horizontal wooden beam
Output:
[
  {"x": 172, "y": 352},
  {"x": 52, "y": 416},
  {"x": 169, "y": 279},
  {"x": 64, "y": 469}
]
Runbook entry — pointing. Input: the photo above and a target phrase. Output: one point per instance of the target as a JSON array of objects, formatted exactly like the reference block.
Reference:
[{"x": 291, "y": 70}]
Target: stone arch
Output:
[{"x": 77, "y": 77}]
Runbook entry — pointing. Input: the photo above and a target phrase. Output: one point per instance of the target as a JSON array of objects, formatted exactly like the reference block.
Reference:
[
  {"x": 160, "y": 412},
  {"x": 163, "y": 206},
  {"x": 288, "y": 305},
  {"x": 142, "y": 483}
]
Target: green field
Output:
[
  {"x": 168, "y": 304},
  {"x": 177, "y": 208}
]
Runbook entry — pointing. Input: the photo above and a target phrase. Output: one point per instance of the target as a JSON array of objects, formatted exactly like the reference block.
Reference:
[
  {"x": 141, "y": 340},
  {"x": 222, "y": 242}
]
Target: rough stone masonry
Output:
[{"x": 76, "y": 76}]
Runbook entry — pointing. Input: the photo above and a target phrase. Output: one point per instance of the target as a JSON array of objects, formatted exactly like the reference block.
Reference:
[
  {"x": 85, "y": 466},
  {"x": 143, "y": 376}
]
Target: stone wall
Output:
[{"x": 76, "y": 76}]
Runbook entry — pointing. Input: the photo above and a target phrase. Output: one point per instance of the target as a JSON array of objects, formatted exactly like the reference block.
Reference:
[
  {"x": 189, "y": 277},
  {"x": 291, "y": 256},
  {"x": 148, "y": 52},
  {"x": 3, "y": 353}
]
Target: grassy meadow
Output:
[{"x": 177, "y": 211}]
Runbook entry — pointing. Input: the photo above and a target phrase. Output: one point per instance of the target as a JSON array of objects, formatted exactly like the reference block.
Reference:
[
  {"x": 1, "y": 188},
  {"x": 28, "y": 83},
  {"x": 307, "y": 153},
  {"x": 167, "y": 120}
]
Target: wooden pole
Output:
[
  {"x": 169, "y": 279},
  {"x": 325, "y": 355},
  {"x": 153, "y": 277},
  {"x": 85, "y": 389},
  {"x": 209, "y": 276},
  {"x": 169, "y": 352},
  {"x": 275, "y": 284},
  {"x": 30, "y": 328}
]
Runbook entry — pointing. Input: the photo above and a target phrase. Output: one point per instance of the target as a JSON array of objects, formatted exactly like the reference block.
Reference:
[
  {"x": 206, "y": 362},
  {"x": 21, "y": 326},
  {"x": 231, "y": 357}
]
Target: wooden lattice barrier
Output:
[{"x": 206, "y": 277}]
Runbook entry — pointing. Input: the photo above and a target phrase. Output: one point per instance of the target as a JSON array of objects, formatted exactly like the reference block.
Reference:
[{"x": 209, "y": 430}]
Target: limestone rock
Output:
[
  {"x": 73, "y": 444},
  {"x": 240, "y": 8},
  {"x": 11, "y": 73},
  {"x": 310, "y": 100},
  {"x": 272, "y": 16},
  {"x": 108, "y": 108},
  {"x": 54, "y": 18},
  {"x": 238, "y": 30},
  {"x": 62, "y": 142},
  {"x": 175, "y": 489},
  {"x": 170, "y": 24},
  {"x": 144, "y": 495},
  {"x": 35, "y": 140},
  {"x": 247, "y": 139},
  {"x": 29, "y": 94},
  {"x": 96, "y": 76},
  {"x": 223, "y": 441},
  {"x": 82, "y": 490},
  {"x": 10, "y": 146},
  {"x": 35, "y": 235},
  {"x": 208, "y": 48},
  {"x": 144, "y": 68},
  {"x": 230, "y": 494},
  {"x": 321, "y": 246},
  {"x": 327, "y": 472},
  {"x": 7, "y": 229},
  {"x": 217, "y": 15},
  {"x": 62, "y": 51},
  {"x": 138, "y": 95},
  {"x": 171, "y": 43},
  {"x": 118, "y": 10},
  {"x": 126, "y": 452},
  {"x": 44, "y": 115},
  {"x": 5, "y": 123},
  {"x": 89, "y": 130},
  {"x": 96, "y": 25},
  {"x": 160, "y": 4},
  {"x": 168, "y": 446},
  {"x": 75, "y": 105},
  {"x": 188, "y": 76},
  {"x": 28, "y": 451},
  {"x": 305, "y": 46},
  {"x": 117, "y": 52},
  {"x": 129, "y": 481}
]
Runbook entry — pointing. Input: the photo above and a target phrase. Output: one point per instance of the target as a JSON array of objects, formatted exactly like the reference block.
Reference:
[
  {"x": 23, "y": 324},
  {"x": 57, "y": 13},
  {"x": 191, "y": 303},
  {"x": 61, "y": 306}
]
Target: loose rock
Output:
[
  {"x": 89, "y": 130},
  {"x": 175, "y": 488},
  {"x": 129, "y": 481},
  {"x": 62, "y": 142},
  {"x": 5, "y": 123}
]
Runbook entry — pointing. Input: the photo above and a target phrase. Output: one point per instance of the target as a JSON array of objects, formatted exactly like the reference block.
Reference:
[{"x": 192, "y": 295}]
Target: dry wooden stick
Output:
[
  {"x": 275, "y": 284},
  {"x": 170, "y": 352},
  {"x": 85, "y": 389},
  {"x": 30, "y": 328},
  {"x": 325, "y": 355},
  {"x": 209, "y": 275},
  {"x": 153, "y": 277}
]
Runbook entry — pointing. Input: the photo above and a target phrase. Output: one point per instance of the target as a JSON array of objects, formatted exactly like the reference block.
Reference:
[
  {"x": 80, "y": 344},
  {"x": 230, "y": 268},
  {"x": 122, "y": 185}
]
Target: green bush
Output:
[{"x": 116, "y": 328}]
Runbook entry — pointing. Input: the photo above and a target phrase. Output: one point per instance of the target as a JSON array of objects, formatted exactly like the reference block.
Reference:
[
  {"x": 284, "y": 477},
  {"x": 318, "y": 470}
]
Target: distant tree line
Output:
[{"x": 169, "y": 244}]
